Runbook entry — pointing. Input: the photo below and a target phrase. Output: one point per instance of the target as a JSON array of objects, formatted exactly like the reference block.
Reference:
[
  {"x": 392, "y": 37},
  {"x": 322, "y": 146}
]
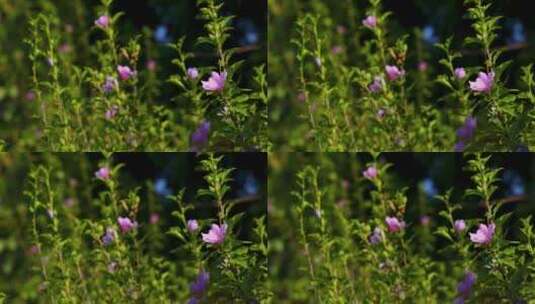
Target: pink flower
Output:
[
  {"x": 199, "y": 138},
  {"x": 216, "y": 235},
  {"x": 103, "y": 173},
  {"x": 483, "y": 83},
  {"x": 33, "y": 250},
  {"x": 459, "y": 226},
  {"x": 370, "y": 173},
  {"x": 460, "y": 73},
  {"x": 216, "y": 82},
  {"x": 30, "y": 95},
  {"x": 301, "y": 97},
  {"x": 201, "y": 284},
  {"x": 376, "y": 237},
  {"x": 125, "y": 72},
  {"x": 109, "y": 236},
  {"x": 377, "y": 84},
  {"x": 393, "y": 72},
  {"x": 425, "y": 220},
  {"x": 381, "y": 113},
  {"x": 466, "y": 132},
  {"x": 112, "y": 112},
  {"x": 110, "y": 85},
  {"x": 154, "y": 218},
  {"x": 422, "y": 66},
  {"x": 126, "y": 224},
  {"x": 370, "y": 22},
  {"x": 193, "y": 73},
  {"x": 464, "y": 288},
  {"x": 484, "y": 234},
  {"x": 192, "y": 225},
  {"x": 103, "y": 22},
  {"x": 394, "y": 225},
  {"x": 151, "y": 65}
]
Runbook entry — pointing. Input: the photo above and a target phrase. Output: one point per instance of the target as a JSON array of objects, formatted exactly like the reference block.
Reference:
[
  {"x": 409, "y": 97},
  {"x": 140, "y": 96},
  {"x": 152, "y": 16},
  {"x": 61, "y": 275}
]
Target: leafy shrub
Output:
[
  {"x": 97, "y": 86},
  {"x": 356, "y": 231},
  {"x": 355, "y": 79},
  {"x": 82, "y": 236}
]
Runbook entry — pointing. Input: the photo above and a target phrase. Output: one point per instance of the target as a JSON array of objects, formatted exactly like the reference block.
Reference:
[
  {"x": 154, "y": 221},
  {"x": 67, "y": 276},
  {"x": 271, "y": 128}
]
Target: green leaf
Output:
[{"x": 443, "y": 231}]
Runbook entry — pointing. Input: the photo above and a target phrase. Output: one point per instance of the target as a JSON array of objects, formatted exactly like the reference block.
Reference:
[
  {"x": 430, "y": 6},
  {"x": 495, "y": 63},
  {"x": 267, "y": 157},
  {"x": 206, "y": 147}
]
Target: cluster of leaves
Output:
[
  {"x": 58, "y": 99},
  {"x": 241, "y": 114},
  {"x": 329, "y": 102},
  {"x": 335, "y": 246},
  {"x": 76, "y": 251}
]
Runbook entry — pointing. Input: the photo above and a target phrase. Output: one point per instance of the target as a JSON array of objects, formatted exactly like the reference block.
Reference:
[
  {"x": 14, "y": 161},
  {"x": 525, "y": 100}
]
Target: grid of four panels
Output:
[{"x": 266, "y": 151}]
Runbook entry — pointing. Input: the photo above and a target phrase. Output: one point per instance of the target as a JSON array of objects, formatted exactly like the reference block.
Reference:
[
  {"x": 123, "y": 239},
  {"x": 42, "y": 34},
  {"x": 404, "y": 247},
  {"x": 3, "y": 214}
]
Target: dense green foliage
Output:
[
  {"x": 79, "y": 76},
  {"x": 76, "y": 236},
  {"x": 333, "y": 241},
  {"x": 350, "y": 76}
]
